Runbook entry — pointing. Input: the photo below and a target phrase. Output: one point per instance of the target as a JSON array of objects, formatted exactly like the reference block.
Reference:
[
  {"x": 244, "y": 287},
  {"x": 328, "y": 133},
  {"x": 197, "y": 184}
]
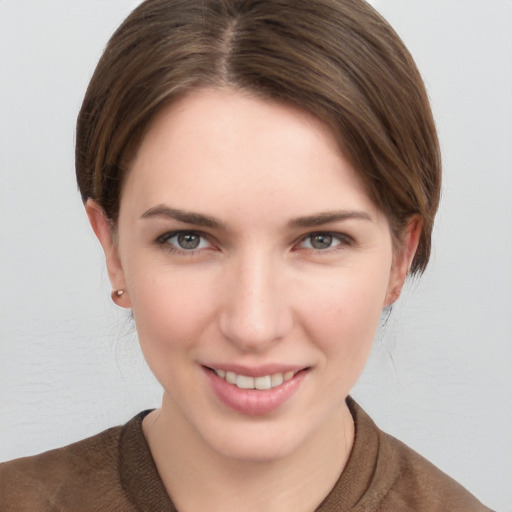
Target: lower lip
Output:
[{"x": 253, "y": 402}]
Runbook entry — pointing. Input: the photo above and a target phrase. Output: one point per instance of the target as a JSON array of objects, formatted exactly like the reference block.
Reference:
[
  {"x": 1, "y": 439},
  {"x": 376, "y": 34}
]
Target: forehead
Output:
[{"x": 224, "y": 143}]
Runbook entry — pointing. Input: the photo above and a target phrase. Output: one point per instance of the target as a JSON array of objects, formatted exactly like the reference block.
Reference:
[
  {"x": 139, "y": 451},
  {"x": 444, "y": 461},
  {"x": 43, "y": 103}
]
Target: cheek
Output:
[
  {"x": 343, "y": 318},
  {"x": 173, "y": 314},
  {"x": 172, "y": 308}
]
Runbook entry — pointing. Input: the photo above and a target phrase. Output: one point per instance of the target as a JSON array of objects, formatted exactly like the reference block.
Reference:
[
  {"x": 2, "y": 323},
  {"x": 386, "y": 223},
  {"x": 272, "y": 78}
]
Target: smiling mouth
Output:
[
  {"x": 256, "y": 394},
  {"x": 263, "y": 383}
]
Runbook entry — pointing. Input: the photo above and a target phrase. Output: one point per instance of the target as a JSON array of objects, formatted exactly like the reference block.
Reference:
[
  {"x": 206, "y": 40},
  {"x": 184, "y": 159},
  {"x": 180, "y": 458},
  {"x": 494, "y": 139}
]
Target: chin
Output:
[
  {"x": 265, "y": 439},
  {"x": 256, "y": 444}
]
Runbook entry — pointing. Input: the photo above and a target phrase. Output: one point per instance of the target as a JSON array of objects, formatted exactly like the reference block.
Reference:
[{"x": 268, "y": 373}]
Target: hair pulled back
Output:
[{"x": 337, "y": 59}]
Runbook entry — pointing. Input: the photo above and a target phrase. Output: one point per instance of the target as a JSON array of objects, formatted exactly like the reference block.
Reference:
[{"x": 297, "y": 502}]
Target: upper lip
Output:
[{"x": 256, "y": 371}]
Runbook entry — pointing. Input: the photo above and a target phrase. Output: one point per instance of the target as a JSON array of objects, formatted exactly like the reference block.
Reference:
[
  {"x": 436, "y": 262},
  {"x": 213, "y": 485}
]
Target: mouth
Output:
[
  {"x": 262, "y": 383},
  {"x": 266, "y": 390}
]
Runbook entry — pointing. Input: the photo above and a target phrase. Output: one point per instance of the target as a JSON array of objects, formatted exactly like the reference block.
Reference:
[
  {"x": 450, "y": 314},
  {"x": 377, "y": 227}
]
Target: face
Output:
[{"x": 257, "y": 268}]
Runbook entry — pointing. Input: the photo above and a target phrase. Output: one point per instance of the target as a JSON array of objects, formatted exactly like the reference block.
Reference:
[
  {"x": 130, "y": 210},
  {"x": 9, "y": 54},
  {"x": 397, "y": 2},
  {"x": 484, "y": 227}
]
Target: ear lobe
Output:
[
  {"x": 403, "y": 259},
  {"x": 102, "y": 229}
]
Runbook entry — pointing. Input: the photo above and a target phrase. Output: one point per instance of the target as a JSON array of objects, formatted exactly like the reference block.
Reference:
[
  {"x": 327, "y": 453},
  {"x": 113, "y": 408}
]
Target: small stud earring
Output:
[{"x": 116, "y": 294}]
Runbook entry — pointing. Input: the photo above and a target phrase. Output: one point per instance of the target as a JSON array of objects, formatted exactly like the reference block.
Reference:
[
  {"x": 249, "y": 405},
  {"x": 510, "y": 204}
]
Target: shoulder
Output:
[
  {"x": 398, "y": 479},
  {"x": 419, "y": 485},
  {"x": 81, "y": 476}
]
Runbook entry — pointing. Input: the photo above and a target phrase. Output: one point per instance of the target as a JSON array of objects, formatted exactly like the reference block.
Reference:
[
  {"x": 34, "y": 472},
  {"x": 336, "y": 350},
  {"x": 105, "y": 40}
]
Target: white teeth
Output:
[
  {"x": 244, "y": 382},
  {"x": 262, "y": 383},
  {"x": 277, "y": 379}
]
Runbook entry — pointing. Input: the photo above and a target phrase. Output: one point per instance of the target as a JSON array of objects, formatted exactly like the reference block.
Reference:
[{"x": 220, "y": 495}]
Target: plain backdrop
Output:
[{"x": 440, "y": 375}]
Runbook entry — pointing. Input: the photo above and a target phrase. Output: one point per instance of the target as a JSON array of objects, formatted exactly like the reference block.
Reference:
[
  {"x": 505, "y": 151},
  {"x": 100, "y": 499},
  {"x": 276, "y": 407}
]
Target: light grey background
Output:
[{"x": 440, "y": 376}]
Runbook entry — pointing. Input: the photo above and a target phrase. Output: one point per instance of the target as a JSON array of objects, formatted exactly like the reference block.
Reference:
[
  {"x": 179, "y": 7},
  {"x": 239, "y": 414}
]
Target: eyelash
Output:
[
  {"x": 163, "y": 240},
  {"x": 343, "y": 240}
]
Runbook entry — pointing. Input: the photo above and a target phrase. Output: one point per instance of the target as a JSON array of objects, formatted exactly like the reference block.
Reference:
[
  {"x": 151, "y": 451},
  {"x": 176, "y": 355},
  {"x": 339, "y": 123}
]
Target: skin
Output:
[{"x": 254, "y": 292}]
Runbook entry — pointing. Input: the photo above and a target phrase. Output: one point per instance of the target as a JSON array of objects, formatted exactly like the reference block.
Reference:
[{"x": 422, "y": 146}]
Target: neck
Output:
[{"x": 199, "y": 478}]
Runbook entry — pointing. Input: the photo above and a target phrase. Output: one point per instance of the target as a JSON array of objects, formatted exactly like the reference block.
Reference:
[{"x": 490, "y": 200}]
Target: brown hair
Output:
[{"x": 338, "y": 59}]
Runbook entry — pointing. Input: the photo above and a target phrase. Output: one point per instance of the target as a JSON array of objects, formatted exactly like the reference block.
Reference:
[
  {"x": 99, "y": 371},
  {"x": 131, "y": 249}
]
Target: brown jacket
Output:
[{"x": 114, "y": 471}]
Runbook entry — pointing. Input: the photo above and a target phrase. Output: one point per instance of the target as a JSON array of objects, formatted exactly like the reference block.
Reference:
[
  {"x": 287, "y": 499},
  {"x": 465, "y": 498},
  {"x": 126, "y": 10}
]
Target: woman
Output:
[{"x": 262, "y": 176}]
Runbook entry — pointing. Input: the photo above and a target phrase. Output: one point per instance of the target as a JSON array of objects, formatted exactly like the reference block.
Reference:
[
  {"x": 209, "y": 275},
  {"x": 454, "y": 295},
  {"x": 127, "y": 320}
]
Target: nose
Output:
[{"x": 256, "y": 312}]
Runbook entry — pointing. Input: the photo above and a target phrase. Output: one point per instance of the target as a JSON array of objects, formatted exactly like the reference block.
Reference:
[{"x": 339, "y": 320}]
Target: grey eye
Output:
[
  {"x": 188, "y": 241},
  {"x": 321, "y": 241}
]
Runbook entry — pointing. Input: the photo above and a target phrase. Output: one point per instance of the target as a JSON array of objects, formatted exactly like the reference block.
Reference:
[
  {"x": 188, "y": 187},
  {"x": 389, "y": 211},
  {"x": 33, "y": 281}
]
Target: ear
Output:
[
  {"x": 403, "y": 257},
  {"x": 102, "y": 229}
]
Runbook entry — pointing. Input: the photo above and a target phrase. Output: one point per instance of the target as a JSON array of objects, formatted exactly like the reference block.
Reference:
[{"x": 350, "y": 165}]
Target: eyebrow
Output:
[
  {"x": 208, "y": 221},
  {"x": 197, "y": 219},
  {"x": 320, "y": 219}
]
